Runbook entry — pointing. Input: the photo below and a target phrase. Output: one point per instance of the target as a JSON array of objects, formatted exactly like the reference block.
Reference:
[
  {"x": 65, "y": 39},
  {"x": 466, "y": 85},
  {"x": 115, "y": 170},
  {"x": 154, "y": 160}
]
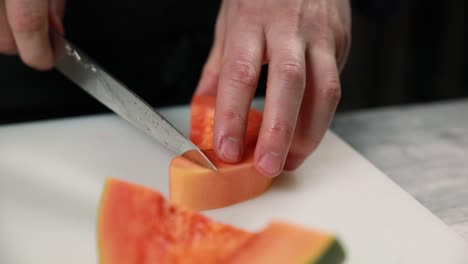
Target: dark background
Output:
[{"x": 402, "y": 52}]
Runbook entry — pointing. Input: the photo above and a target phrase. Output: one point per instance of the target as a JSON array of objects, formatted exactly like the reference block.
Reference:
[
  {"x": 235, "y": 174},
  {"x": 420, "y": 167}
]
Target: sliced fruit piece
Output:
[
  {"x": 136, "y": 225},
  {"x": 296, "y": 245},
  {"x": 201, "y": 189}
]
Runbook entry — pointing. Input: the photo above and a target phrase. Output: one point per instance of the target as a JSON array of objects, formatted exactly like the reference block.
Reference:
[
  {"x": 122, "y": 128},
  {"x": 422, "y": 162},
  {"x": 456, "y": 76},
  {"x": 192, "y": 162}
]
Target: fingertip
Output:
[
  {"x": 269, "y": 164},
  {"x": 229, "y": 150}
]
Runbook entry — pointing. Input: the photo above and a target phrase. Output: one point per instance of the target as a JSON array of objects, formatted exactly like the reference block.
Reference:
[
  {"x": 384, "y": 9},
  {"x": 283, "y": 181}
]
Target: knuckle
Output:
[
  {"x": 247, "y": 7},
  {"x": 318, "y": 21},
  {"x": 294, "y": 15},
  {"x": 281, "y": 131},
  {"x": 234, "y": 116},
  {"x": 321, "y": 13},
  {"x": 292, "y": 71},
  {"x": 26, "y": 19},
  {"x": 331, "y": 93},
  {"x": 242, "y": 72}
]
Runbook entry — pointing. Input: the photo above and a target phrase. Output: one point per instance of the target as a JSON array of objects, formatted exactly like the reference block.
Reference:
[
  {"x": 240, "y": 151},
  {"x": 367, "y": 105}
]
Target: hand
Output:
[
  {"x": 305, "y": 43},
  {"x": 24, "y": 29}
]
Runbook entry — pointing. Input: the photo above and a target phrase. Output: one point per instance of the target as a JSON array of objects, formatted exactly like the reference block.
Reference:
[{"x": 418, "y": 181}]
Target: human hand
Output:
[
  {"x": 24, "y": 29},
  {"x": 305, "y": 43}
]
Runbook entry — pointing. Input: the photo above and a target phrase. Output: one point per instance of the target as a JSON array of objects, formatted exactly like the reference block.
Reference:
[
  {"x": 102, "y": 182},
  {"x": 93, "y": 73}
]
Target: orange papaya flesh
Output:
[
  {"x": 202, "y": 111},
  {"x": 137, "y": 225},
  {"x": 281, "y": 242},
  {"x": 199, "y": 188}
]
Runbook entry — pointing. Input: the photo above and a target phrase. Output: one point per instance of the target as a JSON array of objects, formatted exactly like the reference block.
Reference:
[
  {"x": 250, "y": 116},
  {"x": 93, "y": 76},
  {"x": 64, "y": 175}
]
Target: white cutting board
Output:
[{"x": 52, "y": 173}]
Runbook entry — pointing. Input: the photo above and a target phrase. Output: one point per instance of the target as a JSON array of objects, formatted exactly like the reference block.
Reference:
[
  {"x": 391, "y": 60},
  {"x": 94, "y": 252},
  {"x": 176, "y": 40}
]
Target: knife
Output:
[{"x": 92, "y": 78}]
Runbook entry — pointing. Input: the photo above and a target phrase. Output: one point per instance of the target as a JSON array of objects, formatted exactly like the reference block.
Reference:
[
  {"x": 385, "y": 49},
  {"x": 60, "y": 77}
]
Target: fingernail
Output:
[
  {"x": 271, "y": 163},
  {"x": 230, "y": 149}
]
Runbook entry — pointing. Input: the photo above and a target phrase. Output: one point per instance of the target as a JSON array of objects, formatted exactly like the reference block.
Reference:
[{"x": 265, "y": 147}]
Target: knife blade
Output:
[{"x": 91, "y": 77}]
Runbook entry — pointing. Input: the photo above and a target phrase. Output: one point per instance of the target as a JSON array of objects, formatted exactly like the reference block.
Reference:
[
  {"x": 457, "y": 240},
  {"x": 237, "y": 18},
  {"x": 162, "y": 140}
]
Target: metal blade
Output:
[{"x": 92, "y": 78}]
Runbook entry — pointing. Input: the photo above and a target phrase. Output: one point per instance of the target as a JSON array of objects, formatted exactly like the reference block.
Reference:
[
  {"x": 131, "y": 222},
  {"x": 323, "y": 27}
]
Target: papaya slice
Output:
[
  {"x": 137, "y": 225},
  {"x": 281, "y": 242},
  {"x": 199, "y": 188}
]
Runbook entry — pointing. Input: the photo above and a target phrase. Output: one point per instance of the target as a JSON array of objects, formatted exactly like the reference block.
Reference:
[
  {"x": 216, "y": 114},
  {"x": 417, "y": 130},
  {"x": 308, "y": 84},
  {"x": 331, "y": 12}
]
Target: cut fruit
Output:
[
  {"x": 281, "y": 242},
  {"x": 199, "y": 188},
  {"x": 136, "y": 225}
]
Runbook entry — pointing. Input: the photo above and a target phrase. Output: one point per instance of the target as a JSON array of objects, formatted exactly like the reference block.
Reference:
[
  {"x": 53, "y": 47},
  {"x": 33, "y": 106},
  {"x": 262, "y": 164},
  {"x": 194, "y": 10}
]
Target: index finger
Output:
[{"x": 240, "y": 72}]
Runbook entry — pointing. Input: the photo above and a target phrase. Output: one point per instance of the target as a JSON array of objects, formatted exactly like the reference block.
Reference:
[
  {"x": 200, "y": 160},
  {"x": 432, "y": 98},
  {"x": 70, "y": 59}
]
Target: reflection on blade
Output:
[{"x": 89, "y": 76}]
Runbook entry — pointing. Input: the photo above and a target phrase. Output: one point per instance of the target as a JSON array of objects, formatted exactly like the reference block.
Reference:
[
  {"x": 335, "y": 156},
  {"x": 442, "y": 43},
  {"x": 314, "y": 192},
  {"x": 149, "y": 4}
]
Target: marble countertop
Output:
[{"x": 423, "y": 148}]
